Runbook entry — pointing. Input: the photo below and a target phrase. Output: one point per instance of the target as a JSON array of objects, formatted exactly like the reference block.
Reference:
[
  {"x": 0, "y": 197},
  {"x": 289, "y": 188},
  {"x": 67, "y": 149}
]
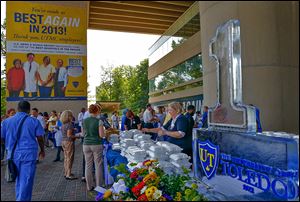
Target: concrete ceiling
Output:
[{"x": 148, "y": 17}]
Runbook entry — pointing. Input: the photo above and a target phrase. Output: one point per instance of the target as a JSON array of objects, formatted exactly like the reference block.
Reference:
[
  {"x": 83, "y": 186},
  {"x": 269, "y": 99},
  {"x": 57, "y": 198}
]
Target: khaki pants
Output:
[
  {"x": 69, "y": 150},
  {"x": 93, "y": 153}
]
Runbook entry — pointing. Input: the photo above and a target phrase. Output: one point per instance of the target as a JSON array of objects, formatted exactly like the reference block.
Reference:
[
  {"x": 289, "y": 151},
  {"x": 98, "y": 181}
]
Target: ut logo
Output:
[
  {"x": 208, "y": 154},
  {"x": 205, "y": 156}
]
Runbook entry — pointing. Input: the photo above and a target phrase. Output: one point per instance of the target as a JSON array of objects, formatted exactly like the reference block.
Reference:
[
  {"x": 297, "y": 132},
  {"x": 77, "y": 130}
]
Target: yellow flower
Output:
[
  {"x": 148, "y": 163},
  {"x": 150, "y": 191},
  {"x": 194, "y": 186},
  {"x": 178, "y": 196},
  {"x": 151, "y": 175},
  {"x": 107, "y": 194}
]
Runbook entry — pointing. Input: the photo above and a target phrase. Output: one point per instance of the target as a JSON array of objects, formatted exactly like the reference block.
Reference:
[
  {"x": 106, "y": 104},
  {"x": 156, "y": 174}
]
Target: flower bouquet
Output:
[{"x": 147, "y": 182}]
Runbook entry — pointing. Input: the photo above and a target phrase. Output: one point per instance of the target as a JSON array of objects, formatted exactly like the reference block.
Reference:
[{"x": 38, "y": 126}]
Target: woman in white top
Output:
[{"x": 45, "y": 75}]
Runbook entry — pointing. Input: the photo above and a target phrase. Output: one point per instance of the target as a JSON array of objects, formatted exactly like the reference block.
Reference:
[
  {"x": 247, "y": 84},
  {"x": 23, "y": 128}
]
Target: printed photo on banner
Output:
[{"x": 46, "y": 52}]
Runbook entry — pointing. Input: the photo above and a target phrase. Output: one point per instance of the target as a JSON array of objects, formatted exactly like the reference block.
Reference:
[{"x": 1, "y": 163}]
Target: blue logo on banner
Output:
[
  {"x": 75, "y": 84},
  {"x": 209, "y": 155}
]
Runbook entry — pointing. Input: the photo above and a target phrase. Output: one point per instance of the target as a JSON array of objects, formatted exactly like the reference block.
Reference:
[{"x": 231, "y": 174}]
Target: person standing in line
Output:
[
  {"x": 148, "y": 117},
  {"x": 15, "y": 79},
  {"x": 58, "y": 138},
  {"x": 115, "y": 120},
  {"x": 204, "y": 117},
  {"x": 148, "y": 120},
  {"x": 46, "y": 118},
  {"x": 198, "y": 119},
  {"x": 25, "y": 154},
  {"x": 51, "y": 127},
  {"x": 93, "y": 128},
  {"x": 11, "y": 112},
  {"x": 123, "y": 119},
  {"x": 35, "y": 114},
  {"x": 161, "y": 115},
  {"x": 30, "y": 68},
  {"x": 60, "y": 79},
  {"x": 45, "y": 77},
  {"x": 68, "y": 143},
  {"x": 80, "y": 118}
]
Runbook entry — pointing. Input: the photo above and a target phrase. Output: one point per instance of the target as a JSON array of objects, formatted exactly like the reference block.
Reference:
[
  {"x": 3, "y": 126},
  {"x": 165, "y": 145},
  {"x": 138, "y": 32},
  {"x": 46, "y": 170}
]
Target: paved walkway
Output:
[{"x": 50, "y": 184}]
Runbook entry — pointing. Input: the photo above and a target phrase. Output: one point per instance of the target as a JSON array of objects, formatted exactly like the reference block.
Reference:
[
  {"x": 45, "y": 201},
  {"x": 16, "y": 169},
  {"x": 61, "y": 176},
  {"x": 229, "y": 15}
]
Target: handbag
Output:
[{"x": 11, "y": 169}]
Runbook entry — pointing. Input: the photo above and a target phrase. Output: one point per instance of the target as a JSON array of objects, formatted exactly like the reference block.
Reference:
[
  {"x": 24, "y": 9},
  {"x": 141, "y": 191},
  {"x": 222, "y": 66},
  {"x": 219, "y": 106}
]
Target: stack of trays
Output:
[
  {"x": 135, "y": 154},
  {"x": 171, "y": 148},
  {"x": 141, "y": 137},
  {"x": 125, "y": 143},
  {"x": 158, "y": 152},
  {"x": 126, "y": 134},
  {"x": 180, "y": 160}
]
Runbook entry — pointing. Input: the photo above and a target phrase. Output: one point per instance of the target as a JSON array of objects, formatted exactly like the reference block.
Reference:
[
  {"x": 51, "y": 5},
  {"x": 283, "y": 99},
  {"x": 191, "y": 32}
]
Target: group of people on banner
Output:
[{"x": 31, "y": 77}]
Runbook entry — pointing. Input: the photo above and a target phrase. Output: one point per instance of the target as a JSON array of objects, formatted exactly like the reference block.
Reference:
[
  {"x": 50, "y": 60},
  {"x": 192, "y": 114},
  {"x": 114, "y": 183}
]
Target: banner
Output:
[{"x": 46, "y": 52}]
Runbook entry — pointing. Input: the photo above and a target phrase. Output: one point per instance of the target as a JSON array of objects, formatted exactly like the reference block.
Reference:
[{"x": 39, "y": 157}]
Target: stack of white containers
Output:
[
  {"x": 135, "y": 154},
  {"x": 158, "y": 152},
  {"x": 138, "y": 147},
  {"x": 180, "y": 160}
]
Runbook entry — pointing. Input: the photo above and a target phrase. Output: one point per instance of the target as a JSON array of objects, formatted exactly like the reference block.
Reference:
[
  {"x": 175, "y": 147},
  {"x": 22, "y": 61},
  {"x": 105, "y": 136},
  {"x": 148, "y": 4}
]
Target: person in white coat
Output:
[{"x": 58, "y": 138}]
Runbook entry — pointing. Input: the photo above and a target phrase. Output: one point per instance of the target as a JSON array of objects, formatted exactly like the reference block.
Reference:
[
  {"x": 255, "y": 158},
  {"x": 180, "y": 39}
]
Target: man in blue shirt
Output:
[{"x": 25, "y": 154}]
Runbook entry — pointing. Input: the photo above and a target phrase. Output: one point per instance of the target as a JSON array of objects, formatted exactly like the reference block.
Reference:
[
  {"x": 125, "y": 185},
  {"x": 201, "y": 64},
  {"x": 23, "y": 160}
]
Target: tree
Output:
[
  {"x": 3, "y": 71},
  {"x": 126, "y": 84}
]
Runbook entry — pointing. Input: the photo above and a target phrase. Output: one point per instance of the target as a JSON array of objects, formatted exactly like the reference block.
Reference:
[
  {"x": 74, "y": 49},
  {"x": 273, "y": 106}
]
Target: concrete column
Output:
[{"x": 270, "y": 57}]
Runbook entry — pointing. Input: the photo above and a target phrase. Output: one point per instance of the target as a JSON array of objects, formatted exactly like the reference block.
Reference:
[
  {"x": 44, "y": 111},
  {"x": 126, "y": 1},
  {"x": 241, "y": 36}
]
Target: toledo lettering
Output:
[
  {"x": 282, "y": 183},
  {"x": 46, "y": 24}
]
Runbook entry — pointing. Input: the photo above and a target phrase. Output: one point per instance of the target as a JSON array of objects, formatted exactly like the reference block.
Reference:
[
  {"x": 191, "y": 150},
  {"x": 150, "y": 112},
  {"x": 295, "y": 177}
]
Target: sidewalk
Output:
[{"x": 50, "y": 184}]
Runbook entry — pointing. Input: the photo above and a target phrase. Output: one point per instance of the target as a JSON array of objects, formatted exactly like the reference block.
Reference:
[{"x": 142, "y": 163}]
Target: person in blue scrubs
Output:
[
  {"x": 176, "y": 129},
  {"x": 26, "y": 150},
  {"x": 123, "y": 119}
]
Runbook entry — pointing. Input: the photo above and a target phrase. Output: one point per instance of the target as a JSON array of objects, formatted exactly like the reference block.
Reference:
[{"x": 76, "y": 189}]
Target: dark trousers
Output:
[
  {"x": 59, "y": 149},
  {"x": 14, "y": 93},
  {"x": 2, "y": 150},
  {"x": 57, "y": 89},
  {"x": 51, "y": 138},
  {"x": 33, "y": 94},
  {"x": 45, "y": 91}
]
